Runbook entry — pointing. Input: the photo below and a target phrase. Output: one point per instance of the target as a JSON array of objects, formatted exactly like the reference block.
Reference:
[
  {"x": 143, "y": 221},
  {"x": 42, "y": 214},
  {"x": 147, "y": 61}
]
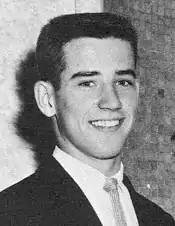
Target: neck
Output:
[{"x": 107, "y": 166}]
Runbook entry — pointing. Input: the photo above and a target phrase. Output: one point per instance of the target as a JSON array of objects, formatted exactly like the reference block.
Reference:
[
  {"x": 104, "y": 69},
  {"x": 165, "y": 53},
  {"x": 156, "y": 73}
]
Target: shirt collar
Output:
[
  {"x": 119, "y": 174},
  {"x": 84, "y": 171}
]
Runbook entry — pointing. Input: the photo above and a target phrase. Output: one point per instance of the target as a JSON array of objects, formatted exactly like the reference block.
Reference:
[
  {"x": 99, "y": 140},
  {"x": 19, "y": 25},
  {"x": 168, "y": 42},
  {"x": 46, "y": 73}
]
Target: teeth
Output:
[{"x": 104, "y": 123}]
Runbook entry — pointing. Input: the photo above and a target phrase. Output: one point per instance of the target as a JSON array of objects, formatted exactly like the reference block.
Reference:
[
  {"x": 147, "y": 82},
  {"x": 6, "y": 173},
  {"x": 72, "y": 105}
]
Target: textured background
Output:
[{"x": 150, "y": 150}]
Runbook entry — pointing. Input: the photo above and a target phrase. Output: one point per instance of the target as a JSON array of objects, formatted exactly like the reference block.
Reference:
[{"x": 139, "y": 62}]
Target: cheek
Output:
[
  {"x": 70, "y": 108},
  {"x": 130, "y": 102},
  {"x": 79, "y": 103}
]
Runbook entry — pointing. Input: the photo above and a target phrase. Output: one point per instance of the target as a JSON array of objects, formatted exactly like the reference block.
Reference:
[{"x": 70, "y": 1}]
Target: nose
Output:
[{"x": 110, "y": 100}]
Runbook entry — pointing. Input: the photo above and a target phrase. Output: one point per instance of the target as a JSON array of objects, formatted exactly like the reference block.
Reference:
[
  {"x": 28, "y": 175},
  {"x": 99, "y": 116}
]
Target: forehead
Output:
[{"x": 93, "y": 52}]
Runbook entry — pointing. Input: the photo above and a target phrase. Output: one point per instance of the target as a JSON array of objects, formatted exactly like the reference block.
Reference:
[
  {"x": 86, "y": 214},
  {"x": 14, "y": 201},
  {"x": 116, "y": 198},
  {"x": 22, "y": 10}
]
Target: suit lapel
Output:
[
  {"x": 144, "y": 209},
  {"x": 72, "y": 203},
  {"x": 135, "y": 200}
]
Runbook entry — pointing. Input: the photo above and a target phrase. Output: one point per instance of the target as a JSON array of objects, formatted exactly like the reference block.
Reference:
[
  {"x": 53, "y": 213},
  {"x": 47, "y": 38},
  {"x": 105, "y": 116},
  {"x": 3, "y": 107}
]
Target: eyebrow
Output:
[
  {"x": 81, "y": 74},
  {"x": 85, "y": 74},
  {"x": 126, "y": 72}
]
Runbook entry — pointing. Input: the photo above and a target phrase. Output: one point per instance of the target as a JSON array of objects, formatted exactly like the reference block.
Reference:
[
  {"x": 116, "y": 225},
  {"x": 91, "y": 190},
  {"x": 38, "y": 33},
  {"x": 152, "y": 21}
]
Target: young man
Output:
[{"x": 88, "y": 86}]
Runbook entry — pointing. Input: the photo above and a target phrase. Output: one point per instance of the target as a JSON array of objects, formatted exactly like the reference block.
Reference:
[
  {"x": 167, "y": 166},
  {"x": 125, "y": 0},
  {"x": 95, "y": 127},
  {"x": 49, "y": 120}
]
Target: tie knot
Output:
[{"x": 111, "y": 184}]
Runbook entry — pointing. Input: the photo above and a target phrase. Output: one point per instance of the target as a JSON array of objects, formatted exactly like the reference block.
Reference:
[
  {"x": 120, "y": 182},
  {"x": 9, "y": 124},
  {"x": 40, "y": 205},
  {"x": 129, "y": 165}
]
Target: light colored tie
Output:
[{"x": 111, "y": 186}]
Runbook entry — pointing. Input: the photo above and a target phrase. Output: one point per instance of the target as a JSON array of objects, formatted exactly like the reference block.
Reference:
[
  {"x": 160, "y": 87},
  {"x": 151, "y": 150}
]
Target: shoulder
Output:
[
  {"x": 33, "y": 191},
  {"x": 33, "y": 185},
  {"x": 146, "y": 210},
  {"x": 16, "y": 200},
  {"x": 27, "y": 200},
  {"x": 11, "y": 196},
  {"x": 152, "y": 212}
]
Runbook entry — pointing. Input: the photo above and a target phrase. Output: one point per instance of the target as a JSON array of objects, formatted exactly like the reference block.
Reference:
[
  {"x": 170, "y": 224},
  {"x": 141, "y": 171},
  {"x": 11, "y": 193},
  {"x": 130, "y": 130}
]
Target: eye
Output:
[
  {"x": 125, "y": 83},
  {"x": 87, "y": 84}
]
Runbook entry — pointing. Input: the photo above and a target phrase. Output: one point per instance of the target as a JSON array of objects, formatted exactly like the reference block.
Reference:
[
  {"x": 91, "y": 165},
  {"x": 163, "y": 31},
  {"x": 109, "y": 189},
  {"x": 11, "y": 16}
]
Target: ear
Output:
[{"x": 45, "y": 98}]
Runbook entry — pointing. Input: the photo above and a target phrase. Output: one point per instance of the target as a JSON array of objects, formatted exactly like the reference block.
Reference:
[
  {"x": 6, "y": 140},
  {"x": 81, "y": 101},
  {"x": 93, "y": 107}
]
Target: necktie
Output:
[{"x": 111, "y": 186}]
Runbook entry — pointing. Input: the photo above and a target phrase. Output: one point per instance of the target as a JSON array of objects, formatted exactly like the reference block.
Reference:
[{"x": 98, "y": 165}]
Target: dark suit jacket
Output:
[{"x": 50, "y": 197}]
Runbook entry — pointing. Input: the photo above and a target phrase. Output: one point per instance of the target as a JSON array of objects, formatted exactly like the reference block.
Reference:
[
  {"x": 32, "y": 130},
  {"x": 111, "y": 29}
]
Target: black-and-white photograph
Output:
[{"x": 87, "y": 113}]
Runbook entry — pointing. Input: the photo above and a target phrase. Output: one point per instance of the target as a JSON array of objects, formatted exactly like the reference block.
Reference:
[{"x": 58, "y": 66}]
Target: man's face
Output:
[{"x": 97, "y": 99}]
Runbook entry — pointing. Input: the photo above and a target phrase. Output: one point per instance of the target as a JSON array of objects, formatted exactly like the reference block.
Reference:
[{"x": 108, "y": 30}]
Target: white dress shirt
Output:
[{"x": 91, "y": 181}]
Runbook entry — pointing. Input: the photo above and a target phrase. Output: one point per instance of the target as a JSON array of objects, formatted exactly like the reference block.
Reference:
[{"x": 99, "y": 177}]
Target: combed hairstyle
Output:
[{"x": 61, "y": 30}]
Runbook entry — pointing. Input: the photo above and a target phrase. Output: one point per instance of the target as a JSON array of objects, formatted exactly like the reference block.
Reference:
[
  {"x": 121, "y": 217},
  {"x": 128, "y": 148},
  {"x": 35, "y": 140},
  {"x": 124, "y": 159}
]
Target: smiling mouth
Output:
[{"x": 107, "y": 124}]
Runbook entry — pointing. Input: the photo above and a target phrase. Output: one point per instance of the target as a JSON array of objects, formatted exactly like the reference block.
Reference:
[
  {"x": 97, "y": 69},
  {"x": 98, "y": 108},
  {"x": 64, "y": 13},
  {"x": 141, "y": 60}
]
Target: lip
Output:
[{"x": 108, "y": 129}]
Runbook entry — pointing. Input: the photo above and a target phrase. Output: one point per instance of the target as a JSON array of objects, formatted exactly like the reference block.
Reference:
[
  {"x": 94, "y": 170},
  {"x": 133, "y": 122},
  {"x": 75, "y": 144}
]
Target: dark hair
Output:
[
  {"x": 63, "y": 29},
  {"x": 33, "y": 126}
]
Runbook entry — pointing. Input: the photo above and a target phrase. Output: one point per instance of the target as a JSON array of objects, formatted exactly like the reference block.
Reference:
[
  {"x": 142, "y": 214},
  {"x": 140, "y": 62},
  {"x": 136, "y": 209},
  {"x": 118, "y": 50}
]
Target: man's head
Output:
[{"x": 87, "y": 64}]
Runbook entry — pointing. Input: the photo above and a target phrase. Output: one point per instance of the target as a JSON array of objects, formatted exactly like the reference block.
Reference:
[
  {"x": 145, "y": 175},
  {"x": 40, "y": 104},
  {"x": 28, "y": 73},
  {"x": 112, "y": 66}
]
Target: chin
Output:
[{"x": 107, "y": 155}]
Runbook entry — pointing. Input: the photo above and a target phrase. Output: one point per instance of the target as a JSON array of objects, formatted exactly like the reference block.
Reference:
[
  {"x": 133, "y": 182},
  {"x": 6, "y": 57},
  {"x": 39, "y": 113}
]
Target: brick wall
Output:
[{"x": 149, "y": 153}]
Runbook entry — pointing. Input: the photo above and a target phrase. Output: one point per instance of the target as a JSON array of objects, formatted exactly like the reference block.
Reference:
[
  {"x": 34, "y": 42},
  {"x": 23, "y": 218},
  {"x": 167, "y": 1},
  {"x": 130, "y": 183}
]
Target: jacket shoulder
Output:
[
  {"x": 153, "y": 213},
  {"x": 148, "y": 212},
  {"x": 13, "y": 195},
  {"x": 16, "y": 200}
]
